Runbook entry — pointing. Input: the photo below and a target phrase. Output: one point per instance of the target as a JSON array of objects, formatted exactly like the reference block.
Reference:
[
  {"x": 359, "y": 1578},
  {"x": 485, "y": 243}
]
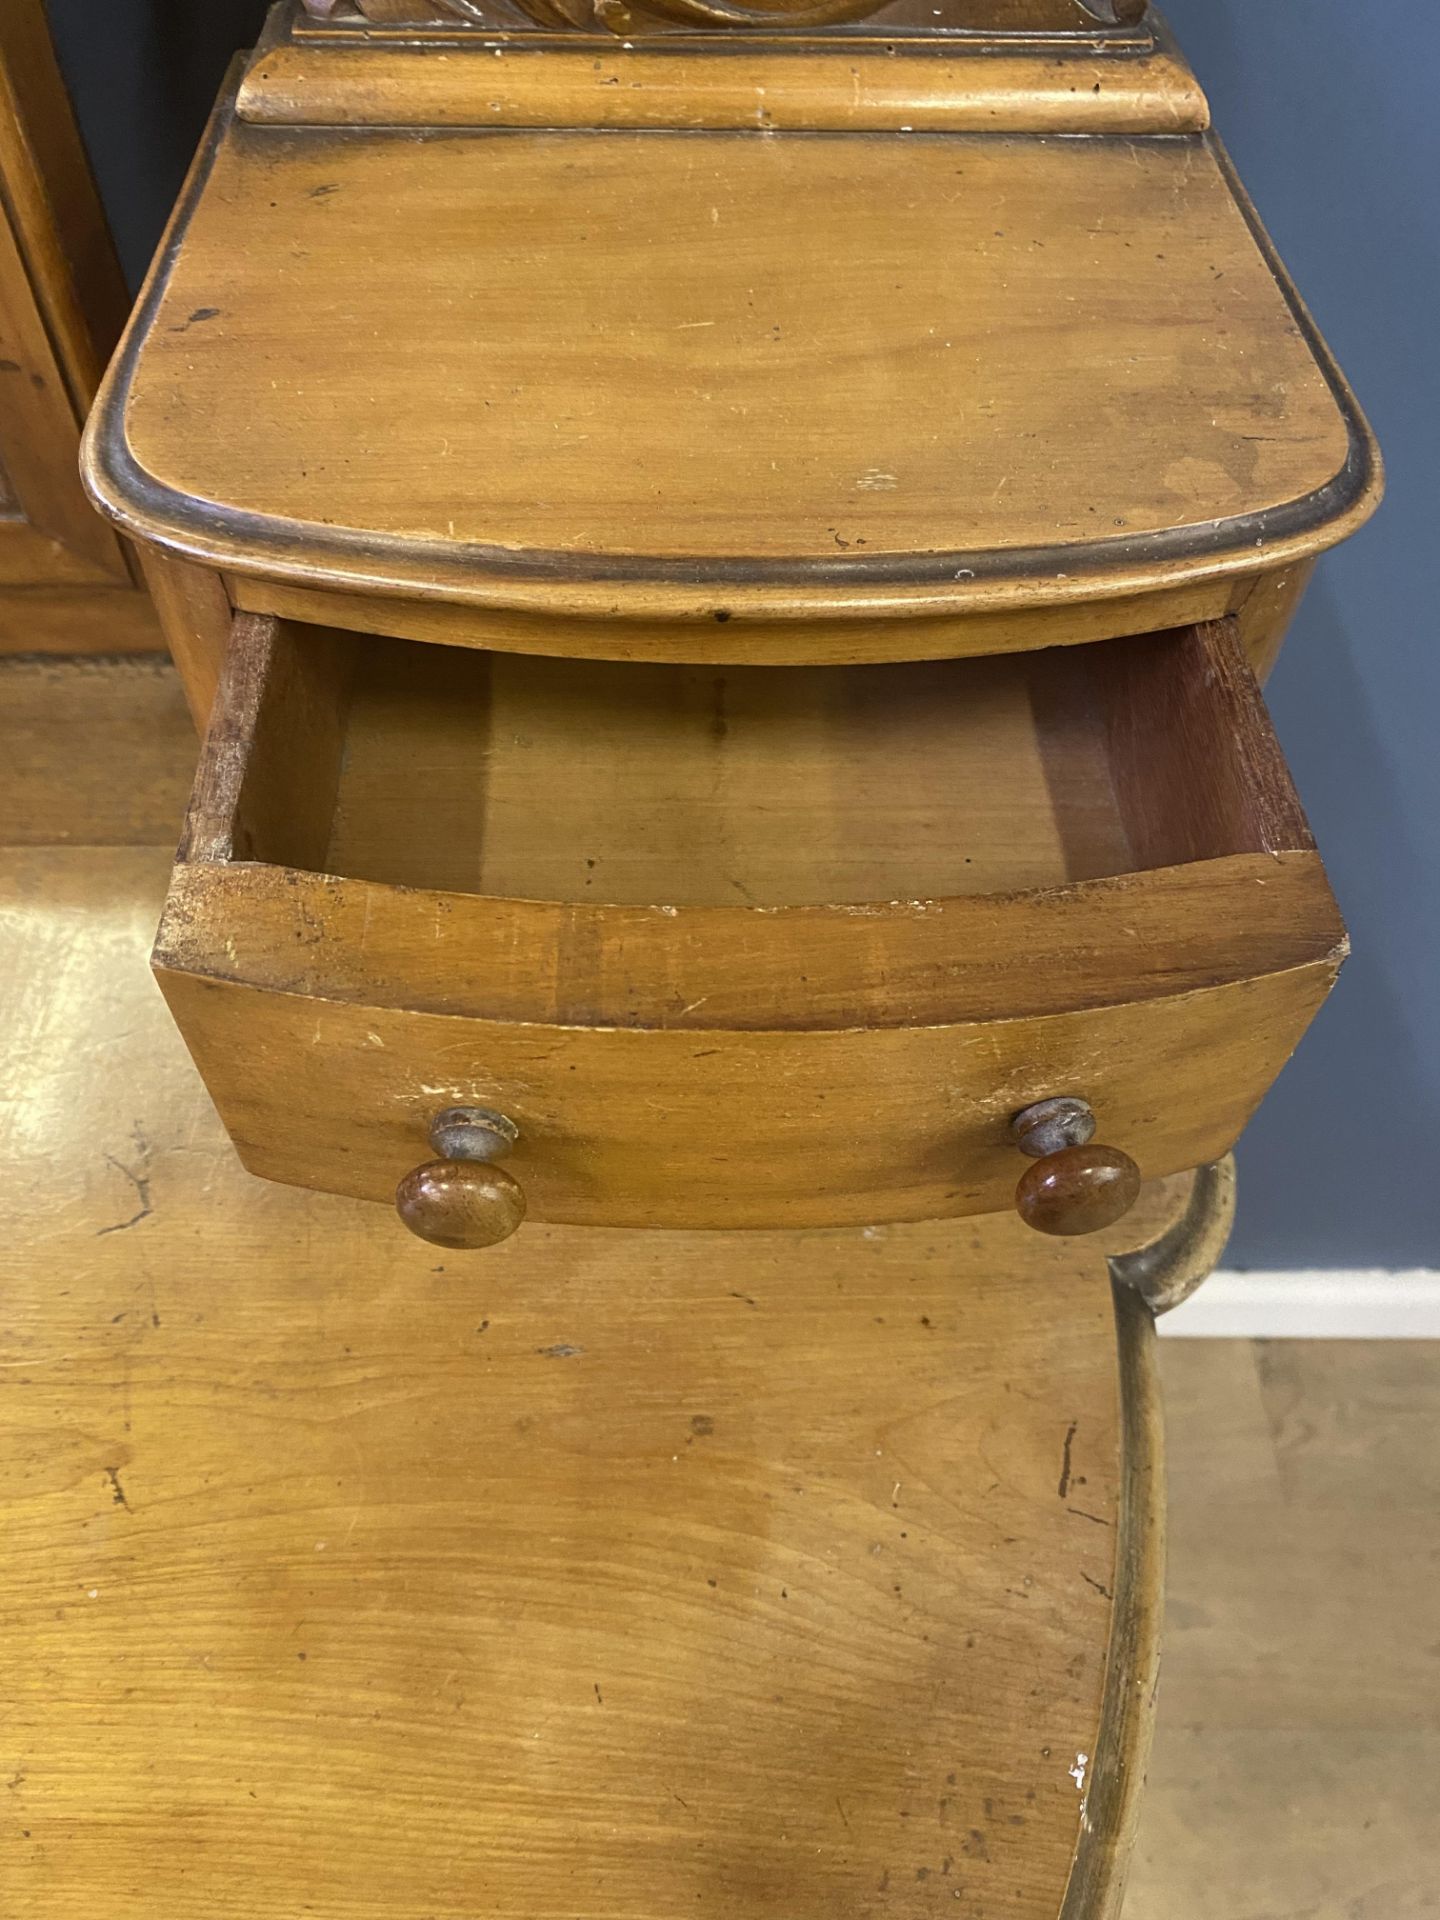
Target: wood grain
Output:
[
  {"x": 1302, "y": 1590},
  {"x": 1096, "y": 1890},
  {"x": 51, "y": 193},
  {"x": 55, "y": 538},
  {"x": 1264, "y": 613},
  {"x": 194, "y": 612},
  {"x": 1312, "y": 1791},
  {"x": 329, "y": 1565},
  {"x": 78, "y": 619},
  {"x": 698, "y": 969},
  {"x": 760, "y": 786},
  {"x": 61, "y": 304},
  {"x": 722, "y": 1129},
  {"x": 54, "y": 787},
  {"x": 697, "y": 1051},
  {"x": 1008, "y": 74},
  {"x": 787, "y": 428},
  {"x": 1193, "y": 757},
  {"x": 1352, "y": 1421},
  {"x": 745, "y": 640}
]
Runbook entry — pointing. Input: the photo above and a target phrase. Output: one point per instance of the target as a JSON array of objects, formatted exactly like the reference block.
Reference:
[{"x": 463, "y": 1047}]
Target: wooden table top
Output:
[
  {"x": 647, "y": 374},
  {"x": 616, "y": 1574}
]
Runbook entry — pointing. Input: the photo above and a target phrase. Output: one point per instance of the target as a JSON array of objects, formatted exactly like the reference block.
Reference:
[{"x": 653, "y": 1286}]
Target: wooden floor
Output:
[{"x": 1296, "y": 1769}]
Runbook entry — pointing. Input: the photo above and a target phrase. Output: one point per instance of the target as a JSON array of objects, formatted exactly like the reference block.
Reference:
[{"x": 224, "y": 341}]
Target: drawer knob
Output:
[
  {"x": 1074, "y": 1187},
  {"x": 463, "y": 1200}
]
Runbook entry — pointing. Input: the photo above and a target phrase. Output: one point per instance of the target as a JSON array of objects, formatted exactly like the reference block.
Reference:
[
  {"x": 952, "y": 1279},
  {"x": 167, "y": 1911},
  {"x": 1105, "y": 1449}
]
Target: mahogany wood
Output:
[
  {"x": 462, "y": 1204},
  {"x": 1078, "y": 1190}
]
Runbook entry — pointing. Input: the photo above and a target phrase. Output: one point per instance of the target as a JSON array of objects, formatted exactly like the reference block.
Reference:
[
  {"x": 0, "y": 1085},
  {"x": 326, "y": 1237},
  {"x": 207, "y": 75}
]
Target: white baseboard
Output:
[{"x": 1341, "y": 1304}]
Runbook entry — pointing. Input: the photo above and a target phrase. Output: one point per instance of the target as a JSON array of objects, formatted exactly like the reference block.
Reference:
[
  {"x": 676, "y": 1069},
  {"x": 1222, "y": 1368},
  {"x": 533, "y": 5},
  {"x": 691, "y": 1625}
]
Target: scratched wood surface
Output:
[
  {"x": 620, "y": 1574},
  {"x": 1035, "y": 66},
  {"x": 724, "y": 375},
  {"x": 733, "y": 1060}
]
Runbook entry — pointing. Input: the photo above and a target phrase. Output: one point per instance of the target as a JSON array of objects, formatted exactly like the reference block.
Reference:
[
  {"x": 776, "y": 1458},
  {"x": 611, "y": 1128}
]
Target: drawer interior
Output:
[
  {"x": 651, "y": 784},
  {"x": 783, "y": 946}
]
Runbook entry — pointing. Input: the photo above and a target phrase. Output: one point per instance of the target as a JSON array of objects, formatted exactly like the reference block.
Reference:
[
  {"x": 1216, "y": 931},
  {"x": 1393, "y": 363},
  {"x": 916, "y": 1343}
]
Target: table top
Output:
[
  {"x": 615, "y": 1573},
  {"x": 710, "y": 373}
]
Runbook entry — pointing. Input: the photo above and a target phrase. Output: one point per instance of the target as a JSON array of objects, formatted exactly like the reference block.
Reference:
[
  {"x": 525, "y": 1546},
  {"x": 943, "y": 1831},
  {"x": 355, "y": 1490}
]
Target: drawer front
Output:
[
  {"x": 719, "y": 1129},
  {"x": 775, "y": 947}
]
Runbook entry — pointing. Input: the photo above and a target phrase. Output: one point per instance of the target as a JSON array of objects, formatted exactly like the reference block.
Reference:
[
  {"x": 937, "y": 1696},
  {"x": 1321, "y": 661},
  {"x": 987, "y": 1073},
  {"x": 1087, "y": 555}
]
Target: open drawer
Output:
[{"x": 766, "y": 946}]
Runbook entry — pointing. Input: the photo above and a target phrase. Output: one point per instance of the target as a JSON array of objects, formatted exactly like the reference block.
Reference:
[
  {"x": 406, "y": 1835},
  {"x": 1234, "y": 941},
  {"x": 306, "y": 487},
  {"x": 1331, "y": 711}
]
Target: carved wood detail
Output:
[
  {"x": 623, "y": 16},
  {"x": 617, "y": 16}
]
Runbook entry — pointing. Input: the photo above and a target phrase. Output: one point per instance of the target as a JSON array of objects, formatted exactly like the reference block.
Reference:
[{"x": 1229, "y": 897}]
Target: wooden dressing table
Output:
[{"x": 727, "y": 560}]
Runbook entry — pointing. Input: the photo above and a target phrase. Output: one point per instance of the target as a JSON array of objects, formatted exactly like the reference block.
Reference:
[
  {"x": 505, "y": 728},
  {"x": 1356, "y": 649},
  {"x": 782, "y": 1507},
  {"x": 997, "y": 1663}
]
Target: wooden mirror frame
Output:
[{"x": 619, "y": 16}]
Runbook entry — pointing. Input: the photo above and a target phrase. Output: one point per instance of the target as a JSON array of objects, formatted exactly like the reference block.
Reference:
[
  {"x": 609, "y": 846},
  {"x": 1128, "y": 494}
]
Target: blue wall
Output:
[
  {"x": 143, "y": 75},
  {"x": 1329, "y": 110}
]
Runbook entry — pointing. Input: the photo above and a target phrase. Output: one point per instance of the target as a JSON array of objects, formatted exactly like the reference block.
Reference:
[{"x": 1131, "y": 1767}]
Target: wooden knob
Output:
[
  {"x": 460, "y": 1203},
  {"x": 1073, "y": 1187},
  {"x": 1078, "y": 1190},
  {"x": 462, "y": 1200}
]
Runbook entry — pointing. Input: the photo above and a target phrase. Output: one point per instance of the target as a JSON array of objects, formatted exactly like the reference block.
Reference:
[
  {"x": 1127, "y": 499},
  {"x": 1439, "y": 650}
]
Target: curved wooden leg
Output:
[
  {"x": 1111, "y": 1808},
  {"x": 1170, "y": 1268}
]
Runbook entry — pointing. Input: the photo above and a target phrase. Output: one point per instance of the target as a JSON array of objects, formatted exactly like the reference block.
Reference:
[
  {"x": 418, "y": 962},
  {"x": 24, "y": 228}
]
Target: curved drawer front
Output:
[{"x": 787, "y": 947}]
